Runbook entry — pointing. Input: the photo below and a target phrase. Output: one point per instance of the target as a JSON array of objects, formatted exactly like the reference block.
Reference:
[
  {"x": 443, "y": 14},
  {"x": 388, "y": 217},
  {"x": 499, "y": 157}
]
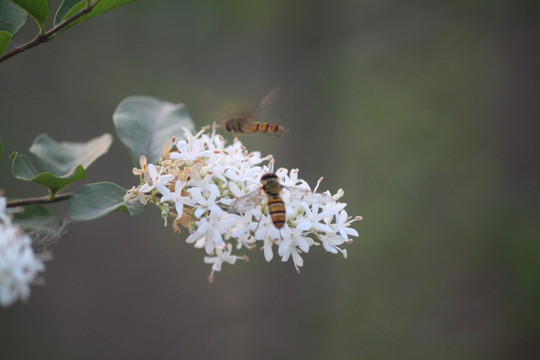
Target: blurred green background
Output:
[{"x": 425, "y": 113}]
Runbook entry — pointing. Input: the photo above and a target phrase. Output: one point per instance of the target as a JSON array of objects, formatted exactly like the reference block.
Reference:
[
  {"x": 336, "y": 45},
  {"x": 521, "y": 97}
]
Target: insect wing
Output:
[
  {"x": 247, "y": 126},
  {"x": 265, "y": 103},
  {"x": 248, "y": 201},
  {"x": 306, "y": 195}
]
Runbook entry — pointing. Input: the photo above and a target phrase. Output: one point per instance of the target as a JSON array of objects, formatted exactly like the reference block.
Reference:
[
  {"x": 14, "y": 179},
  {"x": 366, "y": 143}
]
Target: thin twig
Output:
[
  {"x": 41, "y": 38},
  {"x": 38, "y": 200}
]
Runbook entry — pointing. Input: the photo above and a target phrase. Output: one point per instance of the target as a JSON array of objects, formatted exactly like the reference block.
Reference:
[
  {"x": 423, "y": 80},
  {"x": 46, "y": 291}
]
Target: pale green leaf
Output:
[
  {"x": 12, "y": 17},
  {"x": 71, "y": 7},
  {"x": 61, "y": 158},
  {"x": 65, "y": 8},
  {"x": 36, "y": 219},
  {"x": 145, "y": 124},
  {"x": 23, "y": 169},
  {"x": 99, "y": 199}
]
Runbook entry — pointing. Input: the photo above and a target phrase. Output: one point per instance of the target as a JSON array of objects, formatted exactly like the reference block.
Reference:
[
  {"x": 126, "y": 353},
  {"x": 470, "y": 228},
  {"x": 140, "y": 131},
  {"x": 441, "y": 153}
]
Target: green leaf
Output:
[
  {"x": 36, "y": 218},
  {"x": 5, "y": 39},
  {"x": 23, "y": 169},
  {"x": 12, "y": 17},
  {"x": 144, "y": 124},
  {"x": 64, "y": 162},
  {"x": 72, "y": 7},
  {"x": 38, "y": 10},
  {"x": 99, "y": 199},
  {"x": 44, "y": 228},
  {"x": 65, "y": 8},
  {"x": 62, "y": 158},
  {"x": 57, "y": 183}
]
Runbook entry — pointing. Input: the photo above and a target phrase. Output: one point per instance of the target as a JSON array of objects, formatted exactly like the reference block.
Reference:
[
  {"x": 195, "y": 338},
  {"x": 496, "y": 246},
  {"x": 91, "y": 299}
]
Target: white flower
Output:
[
  {"x": 267, "y": 248},
  {"x": 19, "y": 266},
  {"x": 190, "y": 151},
  {"x": 293, "y": 244},
  {"x": 331, "y": 244},
  {"x": 211, "y": 231},
  {"x": 177, "y": 198},
  {"x": 292, "y": 179},
  {"x": 159, "y": 181},
  {"x": 222, "y": 256},
  {"x": 4, "y": 217},
  {"x": 135, "y": 196},
  {"x": 312, "y": 218},
  {"x": 206, "y": 203},
  {"x": 218, "y": 196},
  {"x": 342, "y": 225}
]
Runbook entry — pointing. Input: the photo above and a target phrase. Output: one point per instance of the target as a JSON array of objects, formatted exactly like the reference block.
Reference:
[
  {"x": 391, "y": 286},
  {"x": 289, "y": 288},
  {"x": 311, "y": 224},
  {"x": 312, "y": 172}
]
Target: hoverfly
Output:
[
  {"x": 245, "y": 124},
  {"x": 271, "y": 190},
  {"x": 276, "y": 206}
]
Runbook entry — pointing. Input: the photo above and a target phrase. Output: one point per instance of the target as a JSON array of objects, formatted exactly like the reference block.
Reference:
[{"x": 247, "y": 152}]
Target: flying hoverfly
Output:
[
  {"x": 245, "y": 124},
  {"x": 271, "y": 190}
]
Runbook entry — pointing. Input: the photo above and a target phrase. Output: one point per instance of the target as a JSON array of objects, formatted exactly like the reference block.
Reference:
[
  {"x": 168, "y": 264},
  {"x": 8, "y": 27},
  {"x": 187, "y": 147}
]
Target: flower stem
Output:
[
  {"x": 44, "y": 37},
  {"x": 38, "y": 200}
]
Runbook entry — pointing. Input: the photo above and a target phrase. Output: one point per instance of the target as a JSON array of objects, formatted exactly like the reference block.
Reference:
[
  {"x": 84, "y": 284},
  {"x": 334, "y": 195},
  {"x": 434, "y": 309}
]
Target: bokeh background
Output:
[{"x": 425, "y": 113}]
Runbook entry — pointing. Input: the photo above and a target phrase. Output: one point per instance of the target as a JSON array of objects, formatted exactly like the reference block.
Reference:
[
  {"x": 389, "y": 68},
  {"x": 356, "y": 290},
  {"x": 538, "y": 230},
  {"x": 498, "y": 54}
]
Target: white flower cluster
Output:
[
  {"x": 19, "y": 266},
  {"x": 214, "y": 190}
]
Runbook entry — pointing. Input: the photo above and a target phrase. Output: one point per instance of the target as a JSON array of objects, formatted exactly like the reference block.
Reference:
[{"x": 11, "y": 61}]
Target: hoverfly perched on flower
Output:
[
  {"x": 245, "y": 124},
  {"x": 271, "y": 189},
  {"x": 276, "y": 207}
]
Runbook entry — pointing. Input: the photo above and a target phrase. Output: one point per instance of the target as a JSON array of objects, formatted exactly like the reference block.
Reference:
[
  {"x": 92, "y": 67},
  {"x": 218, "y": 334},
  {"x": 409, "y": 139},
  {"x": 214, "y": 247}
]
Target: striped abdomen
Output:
[
  {"x": 277, "y": 210},
  {"x": 265, "y": 127},
  {"x": 245, "y": 125},
  {"x": 276, "y": 207}
]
